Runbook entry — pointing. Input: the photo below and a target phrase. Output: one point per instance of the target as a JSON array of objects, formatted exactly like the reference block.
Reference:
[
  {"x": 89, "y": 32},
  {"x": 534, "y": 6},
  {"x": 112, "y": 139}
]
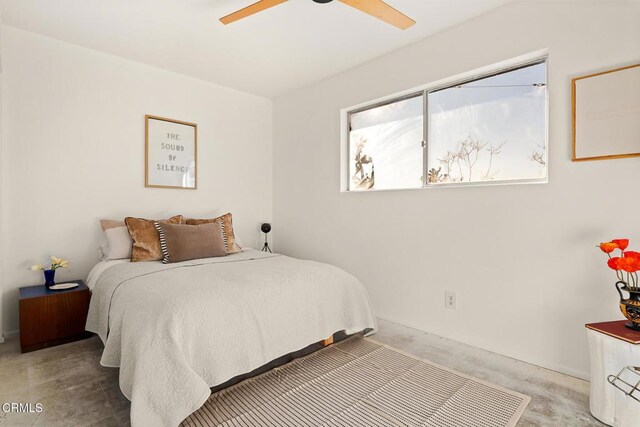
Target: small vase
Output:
[
  {"x": 49, "y": 278},
  {"x": 630, "y": 307}
]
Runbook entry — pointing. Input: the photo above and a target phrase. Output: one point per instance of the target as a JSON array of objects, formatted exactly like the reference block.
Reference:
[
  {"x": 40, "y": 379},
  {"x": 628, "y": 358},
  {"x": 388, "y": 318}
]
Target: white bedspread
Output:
[{"x": 176, "y": 330}]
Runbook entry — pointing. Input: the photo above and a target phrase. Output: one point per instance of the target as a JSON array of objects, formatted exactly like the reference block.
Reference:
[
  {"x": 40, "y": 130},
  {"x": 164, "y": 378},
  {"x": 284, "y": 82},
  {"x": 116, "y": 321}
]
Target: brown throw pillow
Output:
[
  {"x": 227, "y": 230},
  {"x": 146, "y": 243},
  {"x": 181, "y": 242}
]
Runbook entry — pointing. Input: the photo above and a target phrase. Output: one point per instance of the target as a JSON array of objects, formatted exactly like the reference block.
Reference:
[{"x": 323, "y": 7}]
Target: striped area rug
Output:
[{"x": 360, "y": 382}]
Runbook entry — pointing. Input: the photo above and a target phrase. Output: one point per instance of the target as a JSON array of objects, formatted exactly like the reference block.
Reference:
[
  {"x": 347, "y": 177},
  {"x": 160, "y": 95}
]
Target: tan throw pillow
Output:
[
  {"x": 146, "y": 243},
  {"x": 107, "y": 224},
  {"x": 227, "y": 230},
  {"x": 180, "y": 242}
]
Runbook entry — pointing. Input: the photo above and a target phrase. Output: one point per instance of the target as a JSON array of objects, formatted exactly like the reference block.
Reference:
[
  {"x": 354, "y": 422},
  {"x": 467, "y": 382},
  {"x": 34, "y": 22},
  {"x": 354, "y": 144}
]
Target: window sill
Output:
[{"x": 454, "y": 185}]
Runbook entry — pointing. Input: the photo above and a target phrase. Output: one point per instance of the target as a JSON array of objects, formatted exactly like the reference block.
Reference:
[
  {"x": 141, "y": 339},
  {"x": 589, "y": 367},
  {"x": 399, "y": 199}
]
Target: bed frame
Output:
[
  {"x": 338, "y": 336},
  {"x": 327, "y": 342}
]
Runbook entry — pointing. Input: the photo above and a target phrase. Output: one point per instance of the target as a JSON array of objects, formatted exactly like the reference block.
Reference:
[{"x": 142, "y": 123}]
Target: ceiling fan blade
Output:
[
  {"x": 381, "y": 10},
  {"x": 250, "y": 10}
]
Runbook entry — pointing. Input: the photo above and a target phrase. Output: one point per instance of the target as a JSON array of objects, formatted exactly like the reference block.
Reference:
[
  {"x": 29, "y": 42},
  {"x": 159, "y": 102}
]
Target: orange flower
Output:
[
  {"x": 614, "y": 263},
  {"x": 629, "y": 264},
  {"x": 622, "y": 243},
  {"x": 608, "y": 247},
  {"x": 632, "y": 254}
]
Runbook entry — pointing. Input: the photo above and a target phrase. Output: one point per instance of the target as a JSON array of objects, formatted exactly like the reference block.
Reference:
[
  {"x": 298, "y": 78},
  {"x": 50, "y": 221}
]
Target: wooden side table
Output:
[
  {"x": 49, "y": 318},
  {"x": 612, "y": 346}
]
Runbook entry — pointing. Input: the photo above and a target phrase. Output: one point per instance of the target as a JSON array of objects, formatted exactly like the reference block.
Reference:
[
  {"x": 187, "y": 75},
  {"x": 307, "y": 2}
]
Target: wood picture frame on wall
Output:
[
  {"x": 605, "y": 111},
  {"x": 171, "y": 153}
]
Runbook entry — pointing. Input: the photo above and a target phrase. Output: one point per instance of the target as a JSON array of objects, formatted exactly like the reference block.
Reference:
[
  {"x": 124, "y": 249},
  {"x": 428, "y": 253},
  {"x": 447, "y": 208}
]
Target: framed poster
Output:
[
  {"x": 171, "y": 153},
  {"x": 606, "y": 114}
]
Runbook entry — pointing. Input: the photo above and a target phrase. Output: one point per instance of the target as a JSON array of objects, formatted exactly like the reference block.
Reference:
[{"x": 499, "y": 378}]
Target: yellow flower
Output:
[
  {"x": 59, "y": 263},
  {"x": 36, "y": 267}
]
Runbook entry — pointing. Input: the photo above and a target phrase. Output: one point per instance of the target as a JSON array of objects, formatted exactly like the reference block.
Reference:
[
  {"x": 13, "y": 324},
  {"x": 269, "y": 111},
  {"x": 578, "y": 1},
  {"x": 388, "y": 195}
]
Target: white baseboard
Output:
[
  {"x": 8, "y": 334},
  {"x": 550, "y": 366}
]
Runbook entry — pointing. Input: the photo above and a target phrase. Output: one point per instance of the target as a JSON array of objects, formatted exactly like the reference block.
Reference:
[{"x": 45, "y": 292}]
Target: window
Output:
[
  {"x": 383, "y": 148},
  {"x": 491, "y": 129}
]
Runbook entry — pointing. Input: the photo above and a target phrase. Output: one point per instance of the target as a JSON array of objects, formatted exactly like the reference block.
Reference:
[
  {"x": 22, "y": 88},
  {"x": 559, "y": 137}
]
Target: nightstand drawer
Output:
[{"x": 49, "y": 318}]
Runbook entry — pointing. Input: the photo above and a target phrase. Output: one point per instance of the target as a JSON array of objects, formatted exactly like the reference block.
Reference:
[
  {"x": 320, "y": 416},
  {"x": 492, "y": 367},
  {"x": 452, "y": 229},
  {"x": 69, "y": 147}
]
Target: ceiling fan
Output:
[{"x": 375, "y": 8}]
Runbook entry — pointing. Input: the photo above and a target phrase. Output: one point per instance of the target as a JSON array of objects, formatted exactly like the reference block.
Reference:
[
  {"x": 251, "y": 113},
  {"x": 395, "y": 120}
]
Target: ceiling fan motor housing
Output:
[{"x": 323, "y": 1}]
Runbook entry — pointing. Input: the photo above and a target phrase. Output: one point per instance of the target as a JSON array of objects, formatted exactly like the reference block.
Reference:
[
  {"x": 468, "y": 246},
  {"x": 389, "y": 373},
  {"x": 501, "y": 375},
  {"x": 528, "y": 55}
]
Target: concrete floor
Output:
[
  {"x": 76, "y": 391},
  {"x": 557, "y": 400}
]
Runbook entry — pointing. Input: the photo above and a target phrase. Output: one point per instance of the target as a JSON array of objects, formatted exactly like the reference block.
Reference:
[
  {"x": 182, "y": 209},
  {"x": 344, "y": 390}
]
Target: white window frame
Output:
[{"x": 485, "y": 72}]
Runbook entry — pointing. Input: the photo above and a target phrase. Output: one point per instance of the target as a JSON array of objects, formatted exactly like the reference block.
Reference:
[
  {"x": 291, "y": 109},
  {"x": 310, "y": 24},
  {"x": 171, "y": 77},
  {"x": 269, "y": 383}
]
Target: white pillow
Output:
[{"x": 119, "y": 243}]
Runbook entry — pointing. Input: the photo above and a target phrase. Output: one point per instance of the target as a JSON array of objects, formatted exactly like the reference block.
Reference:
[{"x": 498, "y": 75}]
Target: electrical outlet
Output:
[{"x": 450, "y": 300}]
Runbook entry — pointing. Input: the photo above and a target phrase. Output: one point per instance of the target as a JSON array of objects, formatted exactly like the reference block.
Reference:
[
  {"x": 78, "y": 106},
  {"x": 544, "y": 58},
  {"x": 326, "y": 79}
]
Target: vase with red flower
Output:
[
  {"x": 630, "y": 307},
  {"x": 626, "y": 267}
]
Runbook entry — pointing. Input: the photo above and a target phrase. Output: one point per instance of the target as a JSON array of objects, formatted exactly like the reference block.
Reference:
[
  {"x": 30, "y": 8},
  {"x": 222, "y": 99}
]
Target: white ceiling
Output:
[{"x": 286, "y": 47}]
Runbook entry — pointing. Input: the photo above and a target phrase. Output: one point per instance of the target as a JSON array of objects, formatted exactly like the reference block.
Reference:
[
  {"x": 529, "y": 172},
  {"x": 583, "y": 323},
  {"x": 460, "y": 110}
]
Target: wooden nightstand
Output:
[{"x": 49, "y": 318}]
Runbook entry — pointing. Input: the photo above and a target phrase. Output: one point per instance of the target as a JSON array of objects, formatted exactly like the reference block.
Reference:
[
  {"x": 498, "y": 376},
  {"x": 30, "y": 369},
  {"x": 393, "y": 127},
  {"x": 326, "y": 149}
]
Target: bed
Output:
[{"x": 177, "y": 330}]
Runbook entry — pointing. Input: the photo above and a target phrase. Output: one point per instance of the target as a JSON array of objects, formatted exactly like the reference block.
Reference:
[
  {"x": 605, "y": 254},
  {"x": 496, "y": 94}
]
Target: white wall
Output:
[
  {"x": 521, "y": 258},
  {"x": 73, "y": 152},
  {"x": 1, "y": 194}
]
